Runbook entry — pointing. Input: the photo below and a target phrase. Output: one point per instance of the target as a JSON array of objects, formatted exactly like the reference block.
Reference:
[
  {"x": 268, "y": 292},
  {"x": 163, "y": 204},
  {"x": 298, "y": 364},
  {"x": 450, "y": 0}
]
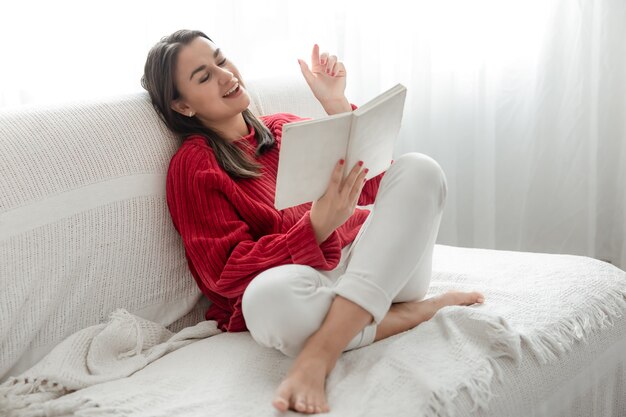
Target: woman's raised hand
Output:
[
  {"x": 326, "y": 78},
  {"x": 339, "y": 202}
]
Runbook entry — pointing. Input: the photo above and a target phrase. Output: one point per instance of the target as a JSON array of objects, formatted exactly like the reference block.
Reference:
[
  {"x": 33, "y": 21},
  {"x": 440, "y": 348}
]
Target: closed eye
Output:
[{"x": 207, "y": 76}]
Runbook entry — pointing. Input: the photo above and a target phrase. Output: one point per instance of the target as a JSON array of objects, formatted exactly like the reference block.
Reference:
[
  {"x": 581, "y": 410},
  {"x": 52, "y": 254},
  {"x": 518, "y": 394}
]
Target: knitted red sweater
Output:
[{"x": 232, "y": 232}]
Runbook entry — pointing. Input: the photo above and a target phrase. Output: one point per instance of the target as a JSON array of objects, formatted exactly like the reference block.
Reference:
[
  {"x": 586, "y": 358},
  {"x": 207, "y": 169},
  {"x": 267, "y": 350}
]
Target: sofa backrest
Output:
[{"x": 84, "y": 225}]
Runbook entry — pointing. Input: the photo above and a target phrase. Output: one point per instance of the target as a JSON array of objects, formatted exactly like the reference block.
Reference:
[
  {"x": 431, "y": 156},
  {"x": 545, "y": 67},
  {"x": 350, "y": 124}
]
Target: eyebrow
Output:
[{"x": 201, "y": 67}]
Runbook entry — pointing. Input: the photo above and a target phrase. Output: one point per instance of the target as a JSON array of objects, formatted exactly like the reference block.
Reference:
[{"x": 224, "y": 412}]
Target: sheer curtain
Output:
[{"x": 521, "y": 102}]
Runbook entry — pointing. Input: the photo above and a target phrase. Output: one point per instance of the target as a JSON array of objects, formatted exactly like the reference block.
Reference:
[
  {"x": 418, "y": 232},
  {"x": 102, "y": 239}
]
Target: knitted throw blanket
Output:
[
  {"x": 100, "y": 353},
  {"x": 545, "y": 302}
]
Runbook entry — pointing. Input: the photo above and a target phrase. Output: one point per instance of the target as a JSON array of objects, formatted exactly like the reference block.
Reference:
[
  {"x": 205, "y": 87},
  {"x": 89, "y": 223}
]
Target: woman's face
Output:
[{"x": 203, "y": 76}]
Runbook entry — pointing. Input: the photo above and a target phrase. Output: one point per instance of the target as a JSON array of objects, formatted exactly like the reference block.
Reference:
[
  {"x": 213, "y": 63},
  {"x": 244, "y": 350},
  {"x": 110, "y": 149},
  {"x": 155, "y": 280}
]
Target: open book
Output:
[{"x": 311, "y": 149}]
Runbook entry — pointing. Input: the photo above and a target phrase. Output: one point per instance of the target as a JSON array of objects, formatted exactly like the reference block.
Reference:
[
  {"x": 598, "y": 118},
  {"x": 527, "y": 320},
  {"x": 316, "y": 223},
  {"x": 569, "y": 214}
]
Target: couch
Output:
[{"x": 85, "y": 230}]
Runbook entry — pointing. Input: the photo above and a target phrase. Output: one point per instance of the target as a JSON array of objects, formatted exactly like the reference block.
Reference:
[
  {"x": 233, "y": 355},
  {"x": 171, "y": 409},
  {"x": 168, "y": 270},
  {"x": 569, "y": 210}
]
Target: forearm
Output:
[{"x": 341, "y": 105}]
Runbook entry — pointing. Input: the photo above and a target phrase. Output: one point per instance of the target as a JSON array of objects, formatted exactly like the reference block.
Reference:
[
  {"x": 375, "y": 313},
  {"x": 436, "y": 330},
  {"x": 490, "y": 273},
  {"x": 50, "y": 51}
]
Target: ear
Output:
[{"x": 181, "y": 107}]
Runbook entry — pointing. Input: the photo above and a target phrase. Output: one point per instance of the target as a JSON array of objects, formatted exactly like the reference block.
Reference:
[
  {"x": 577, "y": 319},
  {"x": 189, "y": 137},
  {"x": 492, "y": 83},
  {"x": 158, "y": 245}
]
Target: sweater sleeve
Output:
[{"x": 223, "y": 251}]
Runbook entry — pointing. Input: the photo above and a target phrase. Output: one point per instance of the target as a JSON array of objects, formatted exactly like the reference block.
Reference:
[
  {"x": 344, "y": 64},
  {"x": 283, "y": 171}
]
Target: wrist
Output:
[
  {"x": 337, "y": 105},
  {"x": 320, "y": 232}
]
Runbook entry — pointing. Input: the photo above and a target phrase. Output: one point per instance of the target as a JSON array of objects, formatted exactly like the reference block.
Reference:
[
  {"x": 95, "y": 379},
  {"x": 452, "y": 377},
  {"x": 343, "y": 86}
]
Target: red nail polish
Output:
[
  {"x": 341, "y": 161},
  {"x": 360, "y": 163},
  {"x": 366, "y": 170}
]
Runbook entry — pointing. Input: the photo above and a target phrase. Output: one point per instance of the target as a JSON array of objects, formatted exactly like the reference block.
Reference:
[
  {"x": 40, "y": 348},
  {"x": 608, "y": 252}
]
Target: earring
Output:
[{"x": 190, "y": 113}]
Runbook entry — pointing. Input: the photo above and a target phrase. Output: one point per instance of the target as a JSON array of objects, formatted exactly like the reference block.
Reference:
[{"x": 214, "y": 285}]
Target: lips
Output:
[{"x": 233, "y": 89}]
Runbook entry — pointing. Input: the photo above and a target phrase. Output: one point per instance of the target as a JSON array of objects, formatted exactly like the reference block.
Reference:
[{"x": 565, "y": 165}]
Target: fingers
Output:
[
  {"x": 325, "y": 63},
  {"x": 315, "y": 59},
  {"x": 337, "y": 176},
  {"x": 340, "y": 70},
  {"x": 323, "y": 60},
  {"x": 330, "y": 65},
  {"x": 347, "y": 186},
  {"x": 351, "y": 187},
  {"x": 357, "y": 186},
  {"x": 308, "y": 75}
]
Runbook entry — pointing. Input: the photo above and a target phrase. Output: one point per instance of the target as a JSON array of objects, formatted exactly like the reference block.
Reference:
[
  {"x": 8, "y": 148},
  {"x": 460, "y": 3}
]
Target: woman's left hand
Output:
[{"x": 327, "y": 80}]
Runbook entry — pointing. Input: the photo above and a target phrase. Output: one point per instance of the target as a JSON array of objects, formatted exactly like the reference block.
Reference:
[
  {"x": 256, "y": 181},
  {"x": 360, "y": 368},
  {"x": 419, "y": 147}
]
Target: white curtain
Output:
[{"x": 523, "y": 103}]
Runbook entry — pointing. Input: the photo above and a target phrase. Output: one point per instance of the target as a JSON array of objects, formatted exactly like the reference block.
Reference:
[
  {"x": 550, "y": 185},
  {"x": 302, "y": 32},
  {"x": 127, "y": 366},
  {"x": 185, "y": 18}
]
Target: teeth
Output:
[{"x": 231, "y": 90}]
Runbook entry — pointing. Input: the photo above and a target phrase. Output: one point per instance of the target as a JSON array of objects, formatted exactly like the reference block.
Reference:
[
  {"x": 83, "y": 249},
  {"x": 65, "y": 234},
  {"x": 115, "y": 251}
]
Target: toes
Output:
[
  {"x": 476, "y": 297},
  {"x": 280, "y": 403},
  {"x": 311, "y": 402},
  {"x": 301, "y": 404},
  {"x": 281, "y": 400},
  {"x": 319, "y": 403}
]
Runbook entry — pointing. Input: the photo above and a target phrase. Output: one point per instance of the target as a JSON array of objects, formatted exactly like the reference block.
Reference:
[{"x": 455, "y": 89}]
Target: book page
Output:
[
  {"x": 308, "y": 154},
  {"x": 375, "y": 129}
]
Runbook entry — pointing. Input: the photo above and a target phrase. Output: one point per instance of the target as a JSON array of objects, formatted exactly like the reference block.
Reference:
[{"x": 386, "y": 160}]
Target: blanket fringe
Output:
[
  {"x": 32, "y": 397},
  {"x": 18, "y": 393},
  {"x": 506, "y": 342},
  {"x": 478, "y": 387},
  {"x": 548, "y": 345}
]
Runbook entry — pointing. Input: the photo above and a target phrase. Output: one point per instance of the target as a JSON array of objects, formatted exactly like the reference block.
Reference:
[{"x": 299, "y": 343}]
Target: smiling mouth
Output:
[{"x": 233, "y": 90}]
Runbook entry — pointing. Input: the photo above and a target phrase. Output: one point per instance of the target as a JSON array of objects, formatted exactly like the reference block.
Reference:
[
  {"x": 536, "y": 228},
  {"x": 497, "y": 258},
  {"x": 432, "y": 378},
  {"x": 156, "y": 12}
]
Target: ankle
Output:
[
  {"x": 394, "y": 322},
  {"x": 318, "y": 355}
]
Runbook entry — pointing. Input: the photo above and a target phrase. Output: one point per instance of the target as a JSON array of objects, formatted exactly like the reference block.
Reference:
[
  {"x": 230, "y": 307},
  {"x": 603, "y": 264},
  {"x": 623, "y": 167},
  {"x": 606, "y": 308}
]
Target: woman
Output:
[{"x": 291, "y": 277}]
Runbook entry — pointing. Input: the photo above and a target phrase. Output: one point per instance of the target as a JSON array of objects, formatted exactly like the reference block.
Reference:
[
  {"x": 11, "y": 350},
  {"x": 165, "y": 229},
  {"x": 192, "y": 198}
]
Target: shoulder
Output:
[
  {"x": 194, "y": 156},
  {"x": 275, "y": 122}
]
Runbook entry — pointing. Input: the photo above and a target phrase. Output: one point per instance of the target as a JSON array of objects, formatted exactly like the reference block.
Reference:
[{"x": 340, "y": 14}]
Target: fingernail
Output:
[
  {"x": 366, "y": 170},
  {"x": 481, "y": 299},
  {"x": 360, "y": 163},
  {"x": 341, "y": 161}
]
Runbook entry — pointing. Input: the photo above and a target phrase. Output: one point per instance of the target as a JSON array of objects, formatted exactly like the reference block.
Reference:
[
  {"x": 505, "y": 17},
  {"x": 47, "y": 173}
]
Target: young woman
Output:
[{"x": 311, "y": 281}]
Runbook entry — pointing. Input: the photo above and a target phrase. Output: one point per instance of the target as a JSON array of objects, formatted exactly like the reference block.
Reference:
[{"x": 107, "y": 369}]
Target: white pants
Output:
[{"x": 389, "y": 261}]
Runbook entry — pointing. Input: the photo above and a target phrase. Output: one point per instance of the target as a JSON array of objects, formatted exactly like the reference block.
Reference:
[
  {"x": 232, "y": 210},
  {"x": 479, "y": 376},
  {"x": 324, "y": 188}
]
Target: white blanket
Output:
[
  {"x": 545, "y": 301},
  {"x": 100, "y": 353}
]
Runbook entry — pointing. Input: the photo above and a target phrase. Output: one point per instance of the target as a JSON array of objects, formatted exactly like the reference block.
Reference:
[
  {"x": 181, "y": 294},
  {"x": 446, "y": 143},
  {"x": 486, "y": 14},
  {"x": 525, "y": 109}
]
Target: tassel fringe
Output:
[{"x": 549, "y": 345}]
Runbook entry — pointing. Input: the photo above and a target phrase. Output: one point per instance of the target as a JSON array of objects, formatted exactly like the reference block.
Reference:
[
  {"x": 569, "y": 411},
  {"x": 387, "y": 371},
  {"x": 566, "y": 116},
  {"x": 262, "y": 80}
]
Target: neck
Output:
[{"x": 232, "y": 129}]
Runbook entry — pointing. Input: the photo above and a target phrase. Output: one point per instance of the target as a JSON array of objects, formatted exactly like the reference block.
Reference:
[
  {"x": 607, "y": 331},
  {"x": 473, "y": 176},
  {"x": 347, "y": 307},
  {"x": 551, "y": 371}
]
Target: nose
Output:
[{"x": 225, "y": 76}]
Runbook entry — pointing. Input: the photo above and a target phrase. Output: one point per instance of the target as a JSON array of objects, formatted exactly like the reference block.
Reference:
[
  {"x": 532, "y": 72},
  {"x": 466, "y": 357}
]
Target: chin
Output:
[{"x": 245, "y": 98}]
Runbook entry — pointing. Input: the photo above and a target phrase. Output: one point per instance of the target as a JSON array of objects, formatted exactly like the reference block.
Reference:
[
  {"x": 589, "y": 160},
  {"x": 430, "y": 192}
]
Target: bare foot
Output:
[
  {"x": 416, "y": 312},
  {"x": 458, "y": 298},
  {"x": 303, "y": 389}
]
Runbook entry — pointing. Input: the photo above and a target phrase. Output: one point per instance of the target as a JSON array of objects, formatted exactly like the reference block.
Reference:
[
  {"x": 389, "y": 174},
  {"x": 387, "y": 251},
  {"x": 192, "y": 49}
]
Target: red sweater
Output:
[{"x": 232, "y": 232}]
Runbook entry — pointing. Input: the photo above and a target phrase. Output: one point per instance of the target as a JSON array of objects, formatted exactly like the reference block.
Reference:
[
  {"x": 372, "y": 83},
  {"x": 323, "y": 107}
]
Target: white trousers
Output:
[{"x": 389, "y": 261}]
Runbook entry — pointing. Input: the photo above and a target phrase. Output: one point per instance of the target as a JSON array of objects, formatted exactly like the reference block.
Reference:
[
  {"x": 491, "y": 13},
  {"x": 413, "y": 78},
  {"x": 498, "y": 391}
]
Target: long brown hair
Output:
[{"x": 158, "y": 80}]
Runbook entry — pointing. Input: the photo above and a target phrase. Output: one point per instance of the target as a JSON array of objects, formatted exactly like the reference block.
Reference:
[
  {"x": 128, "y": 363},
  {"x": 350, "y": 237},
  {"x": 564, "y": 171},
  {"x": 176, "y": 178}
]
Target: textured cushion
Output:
[{"x": 84, "y": 225}]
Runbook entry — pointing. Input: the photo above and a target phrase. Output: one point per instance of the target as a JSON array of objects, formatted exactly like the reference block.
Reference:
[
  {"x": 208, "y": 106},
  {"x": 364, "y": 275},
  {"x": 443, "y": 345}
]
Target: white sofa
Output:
[{"x": 84, "y": 230}]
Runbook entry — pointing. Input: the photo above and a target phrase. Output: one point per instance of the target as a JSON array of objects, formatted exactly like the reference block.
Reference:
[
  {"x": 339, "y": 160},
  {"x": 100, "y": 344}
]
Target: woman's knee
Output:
[
  {"x": 280, "y": 307},
  {"x": 427, "y": 172},
  {"x": 271, "y": 291}
]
